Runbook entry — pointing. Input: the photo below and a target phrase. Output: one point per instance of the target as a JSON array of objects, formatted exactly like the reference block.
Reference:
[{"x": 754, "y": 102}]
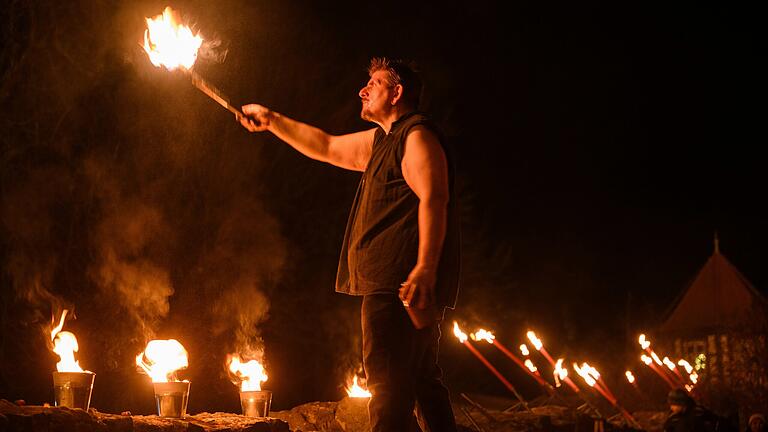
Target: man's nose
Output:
[{"x": 363, "y": 92}]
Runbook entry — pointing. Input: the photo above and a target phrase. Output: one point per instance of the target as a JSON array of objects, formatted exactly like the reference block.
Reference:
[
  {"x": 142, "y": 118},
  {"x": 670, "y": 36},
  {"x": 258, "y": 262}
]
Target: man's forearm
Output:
[
  {"x": 433, "y": 219},
  {"x": 309, "y": 140}
]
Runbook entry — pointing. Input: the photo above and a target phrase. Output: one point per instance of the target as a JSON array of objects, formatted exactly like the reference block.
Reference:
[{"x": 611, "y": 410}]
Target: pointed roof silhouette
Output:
[{"x": 719, "y": 298}]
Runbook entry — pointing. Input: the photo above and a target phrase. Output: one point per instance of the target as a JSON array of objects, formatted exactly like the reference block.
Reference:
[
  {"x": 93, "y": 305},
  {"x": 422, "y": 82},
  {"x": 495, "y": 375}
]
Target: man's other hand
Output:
[{"x": 419, "y": 289}]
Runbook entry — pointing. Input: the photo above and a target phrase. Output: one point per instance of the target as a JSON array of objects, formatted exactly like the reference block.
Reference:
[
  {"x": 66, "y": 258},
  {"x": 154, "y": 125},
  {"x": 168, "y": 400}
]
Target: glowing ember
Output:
[
  {"x": 459, "y": 334},
  {"x": 647, "y": 360},
  {"x": 534, "y": 340},
  {"x": 524, "y": 350},
  {"x": 560, "y": 373},
  {"x": 687, "y": 366},
  {"x": 161, "y": 359},
  {"x": 483, "y": 334},
  {"x": 694, "y": 377},
  {"x": 355, "y": 391},
  {"x": 65, "y": 346},
  {"x": 644, "y": 343},
  {"x": 630, "y": 377},
  {"x": 688, "y": 388},
  {"x": 529, "y": 364},
  {"x": 250, "y": 374},
  {"x": 169, "y": 43}
]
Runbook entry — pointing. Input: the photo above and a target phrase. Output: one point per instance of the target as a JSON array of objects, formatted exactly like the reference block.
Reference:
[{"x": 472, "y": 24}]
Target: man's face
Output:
[
  {"x": 676, "y": 409},
  {"x": 376, "y": 97},
  {"x": 756, "y": 425}
]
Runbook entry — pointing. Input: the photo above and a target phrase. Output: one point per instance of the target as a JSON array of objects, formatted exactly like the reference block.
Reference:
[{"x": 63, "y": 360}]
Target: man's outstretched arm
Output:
[
  {"x": 425, "y": 169},
  {"x": 350, "y": 151}
]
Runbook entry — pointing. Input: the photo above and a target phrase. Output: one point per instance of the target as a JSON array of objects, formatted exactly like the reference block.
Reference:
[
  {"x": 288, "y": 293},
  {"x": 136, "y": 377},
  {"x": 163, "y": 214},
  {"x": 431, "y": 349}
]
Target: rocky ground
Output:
[{"x": 347, "y": 415}]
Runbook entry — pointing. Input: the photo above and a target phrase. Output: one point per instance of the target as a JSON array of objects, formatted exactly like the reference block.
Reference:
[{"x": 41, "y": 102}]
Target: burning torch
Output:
[
  {"x": 170, "y": 44},
  {"x": 72, "y": 386}
]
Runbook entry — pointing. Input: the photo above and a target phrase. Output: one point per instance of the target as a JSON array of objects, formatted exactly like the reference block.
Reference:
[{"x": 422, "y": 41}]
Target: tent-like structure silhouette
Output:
[{"x": 719, "y": 304}]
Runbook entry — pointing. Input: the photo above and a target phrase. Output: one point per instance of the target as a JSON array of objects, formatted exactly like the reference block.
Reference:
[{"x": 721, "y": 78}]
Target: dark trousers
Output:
[{"x": 401, "y": 369}]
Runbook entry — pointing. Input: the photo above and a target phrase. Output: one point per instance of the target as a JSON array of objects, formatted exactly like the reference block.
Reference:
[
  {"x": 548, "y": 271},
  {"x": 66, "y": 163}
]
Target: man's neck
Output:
[{"x": 395, "y": 114}]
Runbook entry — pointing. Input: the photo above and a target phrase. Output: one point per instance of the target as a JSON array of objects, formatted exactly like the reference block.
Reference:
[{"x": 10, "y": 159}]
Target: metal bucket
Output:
[
  {"x": 172, "y": 398},
  {"x": 73, "y": 389},
  {"x": 256, "y": 403}
]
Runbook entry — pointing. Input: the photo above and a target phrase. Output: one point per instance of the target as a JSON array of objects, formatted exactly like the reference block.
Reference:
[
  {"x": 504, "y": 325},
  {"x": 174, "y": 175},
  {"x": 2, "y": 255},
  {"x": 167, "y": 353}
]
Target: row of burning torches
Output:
[
  {"x": 665, "y": 368},
  {"x": 161, "y": 360}
]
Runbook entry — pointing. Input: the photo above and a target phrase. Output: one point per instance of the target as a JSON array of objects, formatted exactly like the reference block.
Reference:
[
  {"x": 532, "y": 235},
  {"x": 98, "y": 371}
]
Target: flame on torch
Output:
[
  {"x": 524, "y": 349},
  {"x": 687, "y": 366},
  {"x": 534, "y": 340},
  {"x": 669, "y": 363},
  {"x": 656, "y": 359},
  {"x": 583, "y": 371},
  {"x": 250, "y": 374},
  {"x": 630, "y": 377},
  {"x": 647, "y": 360},
  {"x": 65, "y": 346},
  {"x": 169, "y": 43},
  {"x": 483, "y": 334},
  {"x": 355, "y": 391},
  {"x": 458, "y": 333},
  {"x": 531, "y": 367},
  {"x": 560, "y": 373},
  {"x": 644, "y": 343},
  {"x": 161, "y": 359}
]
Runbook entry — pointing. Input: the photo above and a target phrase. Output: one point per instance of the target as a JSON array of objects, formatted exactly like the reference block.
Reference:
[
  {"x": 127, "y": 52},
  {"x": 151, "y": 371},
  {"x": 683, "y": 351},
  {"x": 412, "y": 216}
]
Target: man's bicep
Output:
[
  {"x": 425, "y": 167},
  {"x": 351, "y": 151}
]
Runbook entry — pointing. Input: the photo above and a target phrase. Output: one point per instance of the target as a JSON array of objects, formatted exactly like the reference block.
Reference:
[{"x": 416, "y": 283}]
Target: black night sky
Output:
[{"x": 599, "y": 147}]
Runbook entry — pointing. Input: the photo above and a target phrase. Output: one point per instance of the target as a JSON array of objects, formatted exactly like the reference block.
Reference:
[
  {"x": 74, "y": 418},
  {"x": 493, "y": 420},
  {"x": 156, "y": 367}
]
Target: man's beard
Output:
[{"x": 365, "y": 114}]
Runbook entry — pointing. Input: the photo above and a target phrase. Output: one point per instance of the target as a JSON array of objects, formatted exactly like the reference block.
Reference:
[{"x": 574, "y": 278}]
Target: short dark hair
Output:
[{"x": 400, "y": 72}]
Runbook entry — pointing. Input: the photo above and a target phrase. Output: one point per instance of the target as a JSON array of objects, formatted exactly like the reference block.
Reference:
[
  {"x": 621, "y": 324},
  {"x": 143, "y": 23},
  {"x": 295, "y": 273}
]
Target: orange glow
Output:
[
  {"x": 65, "y": 346},
  {"x": 694, "y": 377},
  {"x": 647, "y": 360},
  {"x": 483, "y": 334},
  {"x": 355, "y": 391},
  {"x": 161, "y": 359},
  {"x": 644, "y": 343},
  {"x": 529, "y": 364},
  {"x": 169, "y": 43},
  {"x": 250, "y": 374},
  {"x": 524, "y": 350},
  {"x": 458, "y": 333},
  {"x": 534, "y": 340},
  {"x": 630, "y": 377}
]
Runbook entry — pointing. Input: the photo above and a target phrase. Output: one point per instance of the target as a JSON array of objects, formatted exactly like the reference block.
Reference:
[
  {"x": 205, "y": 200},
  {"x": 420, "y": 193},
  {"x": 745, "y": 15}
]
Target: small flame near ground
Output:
[
  {"x": 524, "y": 350},
  {"x": 357, "y": 391},
  {"x": 162, "y": 358},
  {"x": 169, "y": 43},
  {"x": 65, "y": 346},
  {"x": 248, "y": 374}
]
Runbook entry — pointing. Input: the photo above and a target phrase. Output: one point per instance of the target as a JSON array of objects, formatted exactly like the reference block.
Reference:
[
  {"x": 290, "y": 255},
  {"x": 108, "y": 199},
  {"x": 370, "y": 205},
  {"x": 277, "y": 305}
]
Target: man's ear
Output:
[{"x": 398, "y": 93}]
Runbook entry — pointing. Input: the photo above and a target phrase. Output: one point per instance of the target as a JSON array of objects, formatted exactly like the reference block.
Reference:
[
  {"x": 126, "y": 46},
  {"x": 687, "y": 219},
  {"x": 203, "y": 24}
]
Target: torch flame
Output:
[
  {"x": 355, "y": 391},
  {"x": 656, "y": 358},
  {"x": 644, "y": 343},
  {"x": 529, "y": 364},
  {"x": 694, "y": 377},
  {"x": 583, "y": 371},
  {"x": 524, "y": 349},
  {"x": 163, "y": 359},
  {"x": 686, "y": 365},
  {"x": 251, "y": 373},
  {"x": 170, "y": 44},
  {"x": 459, "y": 334},
  {"x": 65, "y": 346},
  {"x": 647, "y": 360},
  {"x": 483, "y": 334},
  {"x": 560, "y": 373},
  {"x": 669, "y": 363},
  {"x": 630, "y": 377},
  {"x": 534, "y": 340}
]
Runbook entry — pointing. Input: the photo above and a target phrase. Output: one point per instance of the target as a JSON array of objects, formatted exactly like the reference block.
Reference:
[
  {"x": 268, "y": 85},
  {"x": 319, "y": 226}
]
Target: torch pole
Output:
[
  {"x": 213, "y": 92},
  {"x": 498, "y": 374},
  {"x": 519, "y": 362}
]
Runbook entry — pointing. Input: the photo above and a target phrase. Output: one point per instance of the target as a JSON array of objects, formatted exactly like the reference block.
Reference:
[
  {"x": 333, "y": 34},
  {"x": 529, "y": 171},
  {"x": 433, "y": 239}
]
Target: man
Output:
[
  {"x": 401, "y": 247},
  {"x": 686, "y": 416}
]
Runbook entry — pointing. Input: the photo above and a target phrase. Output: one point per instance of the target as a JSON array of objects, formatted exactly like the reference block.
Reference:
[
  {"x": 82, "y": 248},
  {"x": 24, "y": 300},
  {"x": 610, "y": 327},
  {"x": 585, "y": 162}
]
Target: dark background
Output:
[{"x": 599, "y": 148}]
